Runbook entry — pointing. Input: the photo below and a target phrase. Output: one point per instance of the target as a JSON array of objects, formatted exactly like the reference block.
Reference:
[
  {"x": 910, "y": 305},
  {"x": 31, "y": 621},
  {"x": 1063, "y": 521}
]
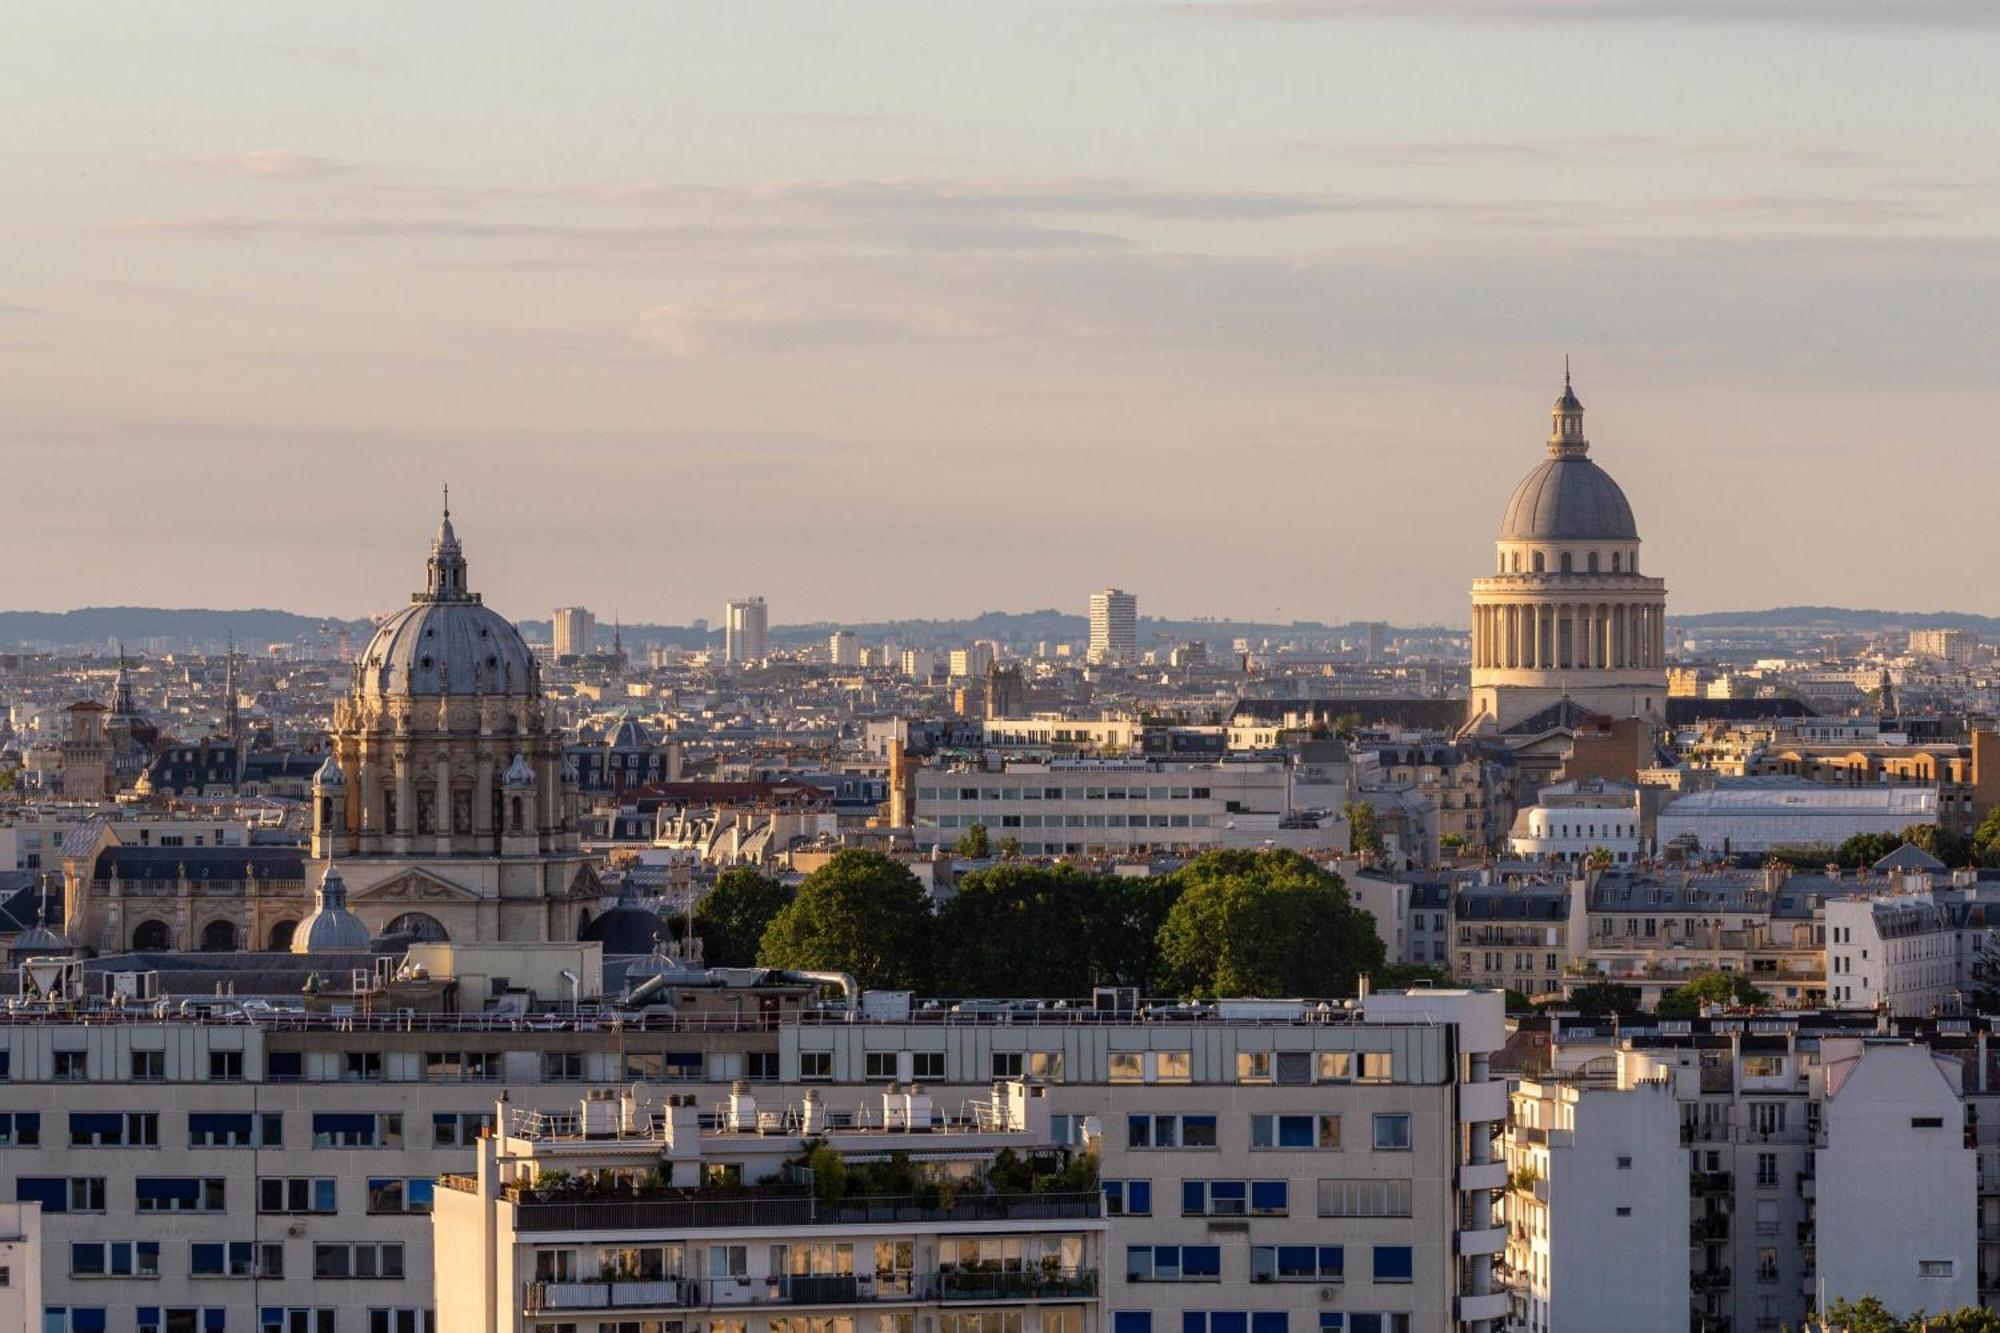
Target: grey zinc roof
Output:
[
  {"x": 1568, "y": 499},
  {"x": 430, "y": 648}
]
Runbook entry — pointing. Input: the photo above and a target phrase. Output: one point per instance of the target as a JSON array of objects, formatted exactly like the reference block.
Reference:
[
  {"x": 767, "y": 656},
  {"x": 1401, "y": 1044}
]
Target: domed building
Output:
[
  {"x": 1566, "y": 623},
  {"x": 445, "y": 794}
]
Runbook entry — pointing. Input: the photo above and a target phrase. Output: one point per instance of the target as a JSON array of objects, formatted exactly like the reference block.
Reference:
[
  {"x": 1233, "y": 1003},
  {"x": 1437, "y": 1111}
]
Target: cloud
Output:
[
  {"x": 685, "y": 331},
  {"x": 274, "y": 164},
  {"x": 1956, "y": 14},
  {"x": 1567, "y": 151}
]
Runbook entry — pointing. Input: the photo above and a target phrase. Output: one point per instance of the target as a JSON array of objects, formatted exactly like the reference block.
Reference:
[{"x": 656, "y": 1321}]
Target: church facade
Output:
[
  {"x": 1566, "y": 625},
  {"x": 445, "y": 799}
]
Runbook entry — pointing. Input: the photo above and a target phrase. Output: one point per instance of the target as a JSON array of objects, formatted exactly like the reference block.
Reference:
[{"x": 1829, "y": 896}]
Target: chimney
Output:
[
  {"x": 812, "y": 1115},
  {"x": 742, "y": 1108}
]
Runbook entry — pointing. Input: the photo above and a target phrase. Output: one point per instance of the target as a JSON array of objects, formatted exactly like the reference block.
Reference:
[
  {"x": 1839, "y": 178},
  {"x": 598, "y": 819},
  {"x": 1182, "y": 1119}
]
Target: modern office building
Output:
[
  {"x": 575, "y": 631},
  {"x": 746, "y": 630},
  {"x": 1114, "y": 628}
]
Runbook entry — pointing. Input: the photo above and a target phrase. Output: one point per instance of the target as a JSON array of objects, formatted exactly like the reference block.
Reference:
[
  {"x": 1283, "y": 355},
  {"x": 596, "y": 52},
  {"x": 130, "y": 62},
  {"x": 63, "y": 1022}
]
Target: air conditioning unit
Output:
[{"x": 1328, "y": 1293}]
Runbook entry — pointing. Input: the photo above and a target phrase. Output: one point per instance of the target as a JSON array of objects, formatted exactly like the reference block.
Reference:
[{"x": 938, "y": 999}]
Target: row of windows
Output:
[
  {"x": 141, "y": 1129},
  {"x": 1005, "y": 821},
  {"x": 249, "y": 1259},
  {"x": 214, "y": 1319},
  {"x": 1262, "y": 1198},
  {"x": 368, "y": 1067},
  {"x": 387, "y": 1195},
  {"x": 1391, "y": 1131},
  {"x": 1126, "y": 793},
  {"x": 1264, "y": 1321}
]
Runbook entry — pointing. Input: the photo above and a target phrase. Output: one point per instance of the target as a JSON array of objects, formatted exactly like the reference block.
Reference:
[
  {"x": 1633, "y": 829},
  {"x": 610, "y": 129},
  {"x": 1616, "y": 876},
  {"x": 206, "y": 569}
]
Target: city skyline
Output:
[{"x": 694, "y": 286}]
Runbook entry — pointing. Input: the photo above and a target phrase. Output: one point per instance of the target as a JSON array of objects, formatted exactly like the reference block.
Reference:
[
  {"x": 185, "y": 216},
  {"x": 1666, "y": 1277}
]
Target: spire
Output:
[
  {"x": 446, "y": 568},
  {"x": 1566, "y": 438}
]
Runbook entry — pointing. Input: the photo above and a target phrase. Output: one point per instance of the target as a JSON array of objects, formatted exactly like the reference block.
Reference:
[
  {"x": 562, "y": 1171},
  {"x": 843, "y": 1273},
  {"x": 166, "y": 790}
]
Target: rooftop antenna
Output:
[
  {"x": 1565, "y": 370},
  {"x": 447, "y": 485}
]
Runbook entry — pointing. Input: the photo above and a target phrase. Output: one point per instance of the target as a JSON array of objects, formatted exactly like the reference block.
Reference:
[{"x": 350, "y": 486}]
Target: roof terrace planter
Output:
[{"x": 573, "y": 1210}]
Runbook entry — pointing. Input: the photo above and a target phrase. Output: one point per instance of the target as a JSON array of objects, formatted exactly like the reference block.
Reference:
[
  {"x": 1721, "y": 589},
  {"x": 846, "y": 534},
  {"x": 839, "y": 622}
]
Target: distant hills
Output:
[{"x": 203, "y": 629}]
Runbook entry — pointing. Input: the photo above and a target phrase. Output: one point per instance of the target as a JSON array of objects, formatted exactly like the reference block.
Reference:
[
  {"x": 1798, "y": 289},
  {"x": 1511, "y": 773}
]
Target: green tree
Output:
[
  {"x": 1718, "y": 987},
  {"x": 1986, "y": 838},
  {"x": 1135, "y": 912},
  {"x": 1265, "y": 923},
  {"x": 1347, "y": 726},
  {"x": 1451, "y": 842},
  {"x": 1402, "y": 976},
  {"x": 972, "y": 843},
  {"x": 1869, "y": 1315},
  {"x": 732, "y": 919},
  {"x": 1601, "y": 858},
  {"x": 1951, "y": 848},
  {"x": 860, "y": 913},
  {"x": 1865, "y": 849},
  {"x": 1363, "y": 834},
  {"x": 1603, "y": 997},
  {"x": 1016, "y": 929}
]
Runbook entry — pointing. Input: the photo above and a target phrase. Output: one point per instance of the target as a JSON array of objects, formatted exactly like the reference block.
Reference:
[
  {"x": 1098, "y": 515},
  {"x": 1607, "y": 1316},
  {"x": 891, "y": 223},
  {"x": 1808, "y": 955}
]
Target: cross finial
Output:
[{"x": 447, "y": 485}]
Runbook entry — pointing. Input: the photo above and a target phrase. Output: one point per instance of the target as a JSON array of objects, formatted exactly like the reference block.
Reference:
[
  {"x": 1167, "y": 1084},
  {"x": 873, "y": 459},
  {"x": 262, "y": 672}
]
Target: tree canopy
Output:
[
  {"x": 1717, "y": 987},
  {"x": 860, "y": 913},
  {"x": 1869, "y": 1315},
  {"x": 1603, "y": 997},
  {"x": 732, "y": 919},
  {"x": 1264, "y": 923},
  {"x": 1364, "y": 834},
  {"x": 1021, "y": 929}
]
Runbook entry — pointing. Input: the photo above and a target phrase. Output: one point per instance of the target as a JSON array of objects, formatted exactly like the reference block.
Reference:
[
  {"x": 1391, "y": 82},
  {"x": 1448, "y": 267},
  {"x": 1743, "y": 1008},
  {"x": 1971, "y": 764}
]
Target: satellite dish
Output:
[{"x": 641, "y": 1095}]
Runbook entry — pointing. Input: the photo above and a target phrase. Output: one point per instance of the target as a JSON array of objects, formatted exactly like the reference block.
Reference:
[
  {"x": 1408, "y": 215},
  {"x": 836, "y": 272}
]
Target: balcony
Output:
[
  {"x": 1483, "y": 1101},
  {"x": 1483, "y": 1176},
  {"x": 845, "y": 1289},
  {"x": 1711, "y": 1182},
  {"x": 624, "y": 1212},
  {"x": 1482, "y": 1240},
  {"x": 1496, "y": 1305},
  {"x": 1712, "y": 1227}
]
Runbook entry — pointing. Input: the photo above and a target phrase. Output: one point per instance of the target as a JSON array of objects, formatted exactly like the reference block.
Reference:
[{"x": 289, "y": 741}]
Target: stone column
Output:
[
  {"x": 441, "y": 805},
  {"x": 406, "y": 814}
]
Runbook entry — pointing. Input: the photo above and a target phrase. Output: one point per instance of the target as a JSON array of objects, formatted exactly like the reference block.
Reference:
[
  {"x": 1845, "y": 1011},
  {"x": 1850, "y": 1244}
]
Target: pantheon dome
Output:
[
  {"x": 1568, "y": 497},
  {"x": 1566, "y": 615}
]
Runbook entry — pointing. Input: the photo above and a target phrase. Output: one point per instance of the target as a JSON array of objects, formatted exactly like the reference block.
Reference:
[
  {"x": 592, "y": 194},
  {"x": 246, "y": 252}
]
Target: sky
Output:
[{"x": 1255, "y": 308}]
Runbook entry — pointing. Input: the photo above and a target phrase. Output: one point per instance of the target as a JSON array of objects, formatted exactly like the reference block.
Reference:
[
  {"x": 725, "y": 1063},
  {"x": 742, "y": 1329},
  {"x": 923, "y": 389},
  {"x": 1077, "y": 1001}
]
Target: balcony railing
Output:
[
  {"x": 835, "y": 1289},
  {"x": 626, "y": 1213}
]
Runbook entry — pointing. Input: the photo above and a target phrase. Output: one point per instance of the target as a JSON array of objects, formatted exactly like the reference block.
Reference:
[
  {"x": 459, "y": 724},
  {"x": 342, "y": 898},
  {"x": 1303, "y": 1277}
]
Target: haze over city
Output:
[{"x": 918, "y": 309}]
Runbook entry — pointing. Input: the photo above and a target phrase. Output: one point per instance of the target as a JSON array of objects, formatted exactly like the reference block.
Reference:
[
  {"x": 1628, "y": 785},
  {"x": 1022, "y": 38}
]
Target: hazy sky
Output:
[{"x": 925, "y": 308}]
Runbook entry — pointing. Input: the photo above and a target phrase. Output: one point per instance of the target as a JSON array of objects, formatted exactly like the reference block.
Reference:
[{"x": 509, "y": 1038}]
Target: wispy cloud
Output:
[
  {"x": 686, "y": 331},
  {"x": 1571, "y": 150},
  {"x": 275, "y": 164},
  {"x": 1965, "y": 14}
]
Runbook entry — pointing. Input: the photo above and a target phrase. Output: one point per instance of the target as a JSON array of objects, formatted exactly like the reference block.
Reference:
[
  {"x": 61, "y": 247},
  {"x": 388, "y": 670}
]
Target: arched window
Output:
[
  {"x": 1614, "y": 562},
  {"x": 218, "y": 937},
  {"x": 517, "y": 815},
  {"x": 1565, "y": 562},
  {"x": 1517, "y": 562},
  {"x": 152, "y": 937},
  {"x": 1593, "y": 562},
  {"x": 1538, "y": 562},
  {"x": 420, "y": 926},
  {"x": 280, "y": 938}
]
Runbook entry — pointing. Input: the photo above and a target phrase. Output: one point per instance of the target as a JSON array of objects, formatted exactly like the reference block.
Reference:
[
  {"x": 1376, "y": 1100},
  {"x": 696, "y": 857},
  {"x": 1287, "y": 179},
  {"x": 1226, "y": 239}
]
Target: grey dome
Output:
[
  {"x": 628, "y": 735},
  {"x": 331, "y": 928},
  {"x": 518, "y": 775},
  {"x": 1568, "y": 498},
  {"x": 329, "y": 776},
  {"x": 446, "y": 641}
]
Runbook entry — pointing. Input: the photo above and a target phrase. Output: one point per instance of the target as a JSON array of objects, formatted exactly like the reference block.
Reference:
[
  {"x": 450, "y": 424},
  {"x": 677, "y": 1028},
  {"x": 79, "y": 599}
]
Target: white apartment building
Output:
[
  {"x": 1303, "y": 1166},
  {"x": 1574, "y": 826},
  {"x": 1599, "y": 1178},
  {"x": 918, "y": 663},
  {"x": 574, "y": 631},
  {"x": 1102, "y": 734},
  {"x": 843, "y": 648},
  {"x": 1094, "y": 807},
  {"x": 1897, "y": 1181},
  {"x": 1114, "y": 628},
  {"x": 32, "y": 838},
  {"x": 1762, "y": 814},
  {"x": 1913, "y": 948},
  {"x": 629, "y": 1238},
  {"x": 20, "y": 1265},
  {"x": 746, "y": 630}
]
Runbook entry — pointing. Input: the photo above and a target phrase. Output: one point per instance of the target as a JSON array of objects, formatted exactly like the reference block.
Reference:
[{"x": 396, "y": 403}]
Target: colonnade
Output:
[{"x": 1552, "y": 635}]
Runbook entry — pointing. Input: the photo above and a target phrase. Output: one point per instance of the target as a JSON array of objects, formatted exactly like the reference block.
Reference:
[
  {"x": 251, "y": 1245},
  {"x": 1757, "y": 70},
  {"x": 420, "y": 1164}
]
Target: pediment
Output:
[{"x": 411, "y": 886}]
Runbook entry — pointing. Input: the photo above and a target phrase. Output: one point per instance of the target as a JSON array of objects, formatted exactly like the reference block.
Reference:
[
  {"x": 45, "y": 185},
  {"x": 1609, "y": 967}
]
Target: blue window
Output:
[
  {"x": 179, "y": 1194},
  {"x": 1270, "y": 1198},
  {"x": 1297, "y": 1263},
  {"x": 20, "y": 1129},
  {"x": 1128, "y": 1198},
  {"x": 1132, "y": 1321},
  {"x": 1267, "y": 1321},
  {"x": 1332, "y": 1321},
  {"x": 51, "y": 1192},
  {"x": 1173, "y": 1263},
  {"x": 1393, "y": 1263},
  {"x": 73, "y": 1319}
]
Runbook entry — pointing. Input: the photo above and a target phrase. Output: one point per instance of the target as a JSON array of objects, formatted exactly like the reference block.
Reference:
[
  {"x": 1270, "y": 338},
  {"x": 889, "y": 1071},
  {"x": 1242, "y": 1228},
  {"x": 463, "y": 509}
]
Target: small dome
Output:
[
  {"x": 518, "y": 774},
  {"x": 331, "y": 928},
  {"x": 41, "y": 940},
  {"x": 329, "y": 775},
  {"x": 1568, "y": 499},
  {"x": 625, "y": 929},
  {"x": 627, "y": 735}
]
